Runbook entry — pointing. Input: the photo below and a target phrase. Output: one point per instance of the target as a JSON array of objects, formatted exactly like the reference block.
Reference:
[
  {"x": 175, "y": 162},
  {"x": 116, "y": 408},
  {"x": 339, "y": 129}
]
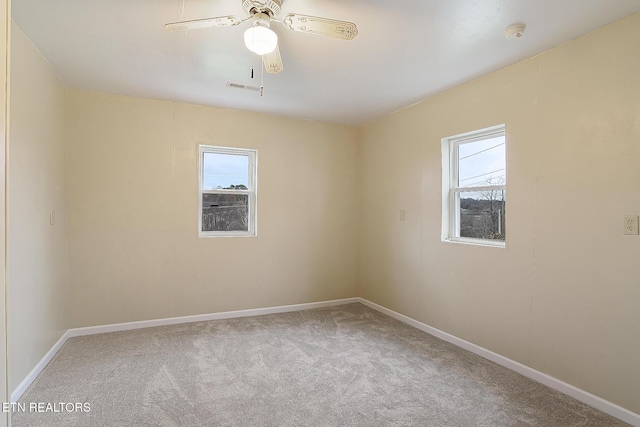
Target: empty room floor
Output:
[{"x": 341, "y": 366}]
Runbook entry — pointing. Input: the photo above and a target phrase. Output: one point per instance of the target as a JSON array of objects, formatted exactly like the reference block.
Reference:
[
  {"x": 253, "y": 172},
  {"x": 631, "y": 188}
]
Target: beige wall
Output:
[
  {"x": 134, "y": 252},
  {"x": 4, "y": 77},
  {"x": 37, "y": 289},
  {"x": 564, "y": 296}
]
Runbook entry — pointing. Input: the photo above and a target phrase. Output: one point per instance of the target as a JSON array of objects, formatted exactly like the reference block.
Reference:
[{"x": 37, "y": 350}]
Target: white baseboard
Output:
[
  {"x": 24, "y": 385},
  {"x": 578, "y": 394},
  {"x": 92, "y": 330}
]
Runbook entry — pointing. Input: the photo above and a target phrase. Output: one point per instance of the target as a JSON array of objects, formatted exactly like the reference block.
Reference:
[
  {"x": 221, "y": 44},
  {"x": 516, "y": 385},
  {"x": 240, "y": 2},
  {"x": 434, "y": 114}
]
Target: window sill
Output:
[
  {"x": 230, "y": 234},
  {"x": 476, "y": 242}
]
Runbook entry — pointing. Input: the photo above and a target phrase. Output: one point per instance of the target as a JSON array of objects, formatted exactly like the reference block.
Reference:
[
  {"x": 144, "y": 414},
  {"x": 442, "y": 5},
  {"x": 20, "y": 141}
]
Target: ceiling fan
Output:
[{"x": 260, "y": 39}]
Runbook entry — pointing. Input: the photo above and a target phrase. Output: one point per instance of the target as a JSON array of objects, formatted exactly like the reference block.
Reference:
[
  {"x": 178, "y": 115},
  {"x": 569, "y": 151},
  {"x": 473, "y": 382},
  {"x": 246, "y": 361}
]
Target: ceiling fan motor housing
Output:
[
  {"x": 261, "y": 19},
  {"x": 270, "y": 7}
]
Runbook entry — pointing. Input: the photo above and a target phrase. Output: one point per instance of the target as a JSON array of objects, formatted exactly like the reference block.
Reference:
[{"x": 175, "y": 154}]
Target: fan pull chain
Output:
[
  {"x": 253, "y": 64},
  {"x": 262, "y": 83}
]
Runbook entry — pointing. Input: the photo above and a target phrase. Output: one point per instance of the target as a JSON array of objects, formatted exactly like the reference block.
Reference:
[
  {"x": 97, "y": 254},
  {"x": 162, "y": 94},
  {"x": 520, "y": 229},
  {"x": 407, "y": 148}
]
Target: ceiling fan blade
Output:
[
  {"x": 273, "y": 62},
  {"x": 219, "y": 21},
  {"x": 323, "y": 26}
]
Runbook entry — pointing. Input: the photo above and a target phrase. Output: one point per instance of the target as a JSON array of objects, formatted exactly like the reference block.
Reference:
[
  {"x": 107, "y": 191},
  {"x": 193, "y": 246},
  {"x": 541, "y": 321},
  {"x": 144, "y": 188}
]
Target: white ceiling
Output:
[{"x": 406, "y": 50}]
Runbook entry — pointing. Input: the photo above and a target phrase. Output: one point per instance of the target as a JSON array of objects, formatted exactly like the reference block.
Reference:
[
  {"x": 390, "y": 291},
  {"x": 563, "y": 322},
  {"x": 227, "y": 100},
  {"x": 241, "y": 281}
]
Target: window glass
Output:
[
  {"x": 225, "y": 171},
  {"x": 482, "y": 162},
  {"x": 481, "y": 214},
  {"x": 225, "y": 212}
]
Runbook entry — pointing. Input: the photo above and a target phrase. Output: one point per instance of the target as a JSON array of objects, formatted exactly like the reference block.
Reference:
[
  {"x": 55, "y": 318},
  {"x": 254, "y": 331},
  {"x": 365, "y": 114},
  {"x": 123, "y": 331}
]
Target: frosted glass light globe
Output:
[{"x": 260, "y": 40}]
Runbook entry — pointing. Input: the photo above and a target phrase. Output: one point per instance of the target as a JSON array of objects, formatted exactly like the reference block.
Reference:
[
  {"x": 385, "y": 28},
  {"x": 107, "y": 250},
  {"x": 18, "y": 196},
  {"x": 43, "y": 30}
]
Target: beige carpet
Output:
[{"x": 340, "y": 366}]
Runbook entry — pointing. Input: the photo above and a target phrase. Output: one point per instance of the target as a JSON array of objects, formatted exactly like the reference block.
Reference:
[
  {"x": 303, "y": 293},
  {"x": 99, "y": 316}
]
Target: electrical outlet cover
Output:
[{"x": 631, "y": 225}]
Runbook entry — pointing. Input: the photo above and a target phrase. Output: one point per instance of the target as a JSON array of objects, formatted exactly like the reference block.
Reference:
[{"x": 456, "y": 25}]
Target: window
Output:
[
  {"x": 474, "y": 187},
  {"x": 227, "y": 191}
]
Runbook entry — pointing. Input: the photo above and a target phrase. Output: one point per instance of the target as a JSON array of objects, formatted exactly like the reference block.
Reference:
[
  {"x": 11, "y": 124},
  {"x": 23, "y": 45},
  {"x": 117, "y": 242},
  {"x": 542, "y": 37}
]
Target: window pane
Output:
[
  {"x": 482, "y": 214},
  {"x": 225, "y": 212},
  {"x": 225, "y": 171},
  {"x": 482, "y": 162}
]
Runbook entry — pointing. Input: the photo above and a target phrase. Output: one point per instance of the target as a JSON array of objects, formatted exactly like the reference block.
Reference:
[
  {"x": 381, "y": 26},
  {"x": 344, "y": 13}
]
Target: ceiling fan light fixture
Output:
[{"x": 260, "y": 40}]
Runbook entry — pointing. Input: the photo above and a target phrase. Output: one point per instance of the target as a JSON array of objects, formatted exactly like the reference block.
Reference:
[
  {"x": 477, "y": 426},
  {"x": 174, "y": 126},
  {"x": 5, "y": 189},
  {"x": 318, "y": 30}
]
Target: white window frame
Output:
[
  {"x": 252, "y": 190},
  {"x": 451, "y": 190}
]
